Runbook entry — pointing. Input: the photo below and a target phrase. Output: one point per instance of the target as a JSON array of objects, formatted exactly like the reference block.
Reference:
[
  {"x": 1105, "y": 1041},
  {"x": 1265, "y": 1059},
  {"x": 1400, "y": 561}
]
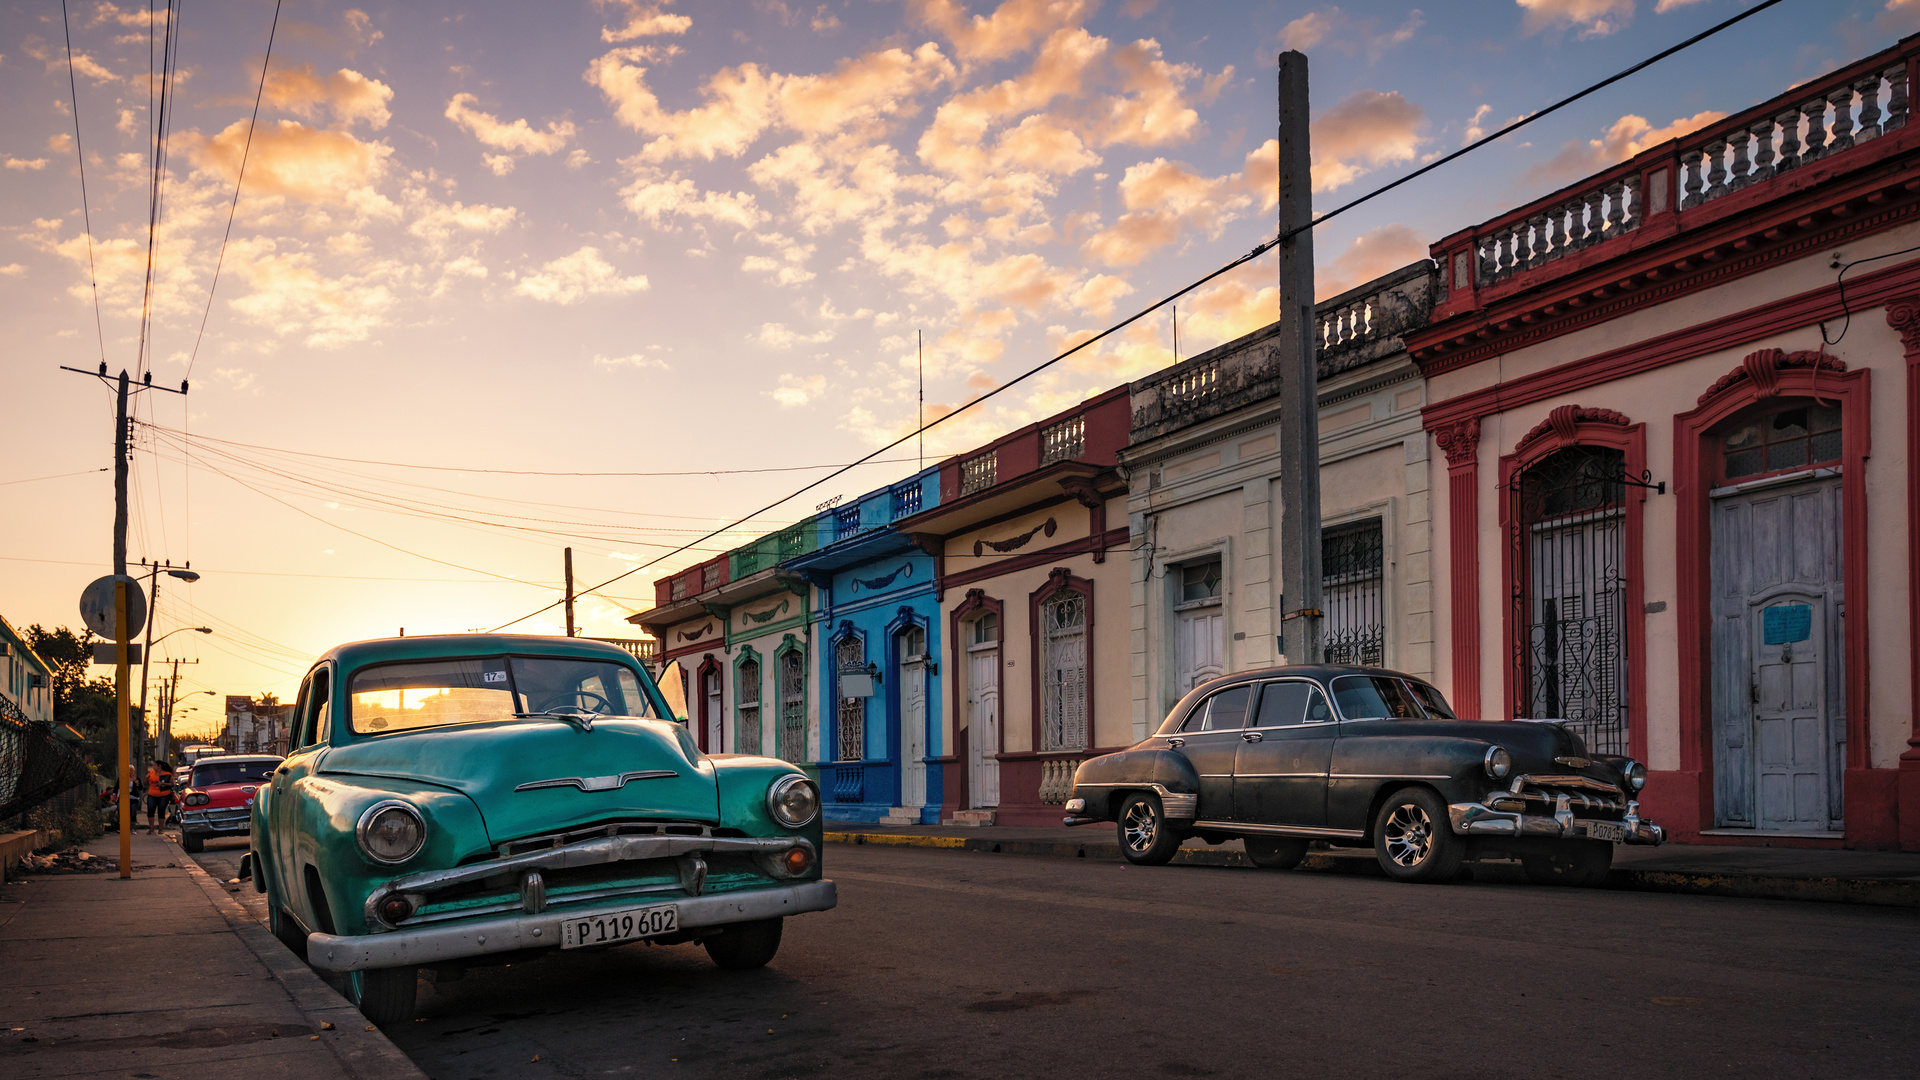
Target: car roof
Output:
[
  {"x": 431, "y": 646},
  {"x": 1322, "y": 672}
]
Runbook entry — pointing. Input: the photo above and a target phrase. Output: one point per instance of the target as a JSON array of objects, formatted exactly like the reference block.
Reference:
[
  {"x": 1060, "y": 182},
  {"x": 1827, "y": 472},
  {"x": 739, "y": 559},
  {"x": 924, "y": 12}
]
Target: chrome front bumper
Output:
[
  {"x": 1479, "y": 819},
  {"x": 432, "y": 944}
]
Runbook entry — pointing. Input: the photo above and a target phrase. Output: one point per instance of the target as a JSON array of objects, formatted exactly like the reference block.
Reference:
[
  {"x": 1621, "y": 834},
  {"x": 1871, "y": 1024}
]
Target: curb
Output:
[
  {"x": 366, "y": 1054},
  {"x": 1903, "y": 894}
]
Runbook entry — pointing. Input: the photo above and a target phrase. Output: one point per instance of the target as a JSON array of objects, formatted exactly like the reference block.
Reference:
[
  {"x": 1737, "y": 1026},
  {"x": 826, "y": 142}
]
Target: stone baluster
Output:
[
  {"x": 1762, "y": 132},
  {"x": 1503, "y": 252},
  {"x": 1789, "y": 123},
  {"x": 1869, "y": 88},
  {"x": 1841, "y": 97},
  {"x": 1483, "y": 260},
  {"x": 1690, "y": 171},
  {"x": 1896, "y": 98},
  {"x": 1523, "y": 246},
  {"x": 1816, "y": 113},
  {"x": 1556, "y": 239},
  {"x": 1737, "y": 173},
  {"x": 1573, "y": 236},
  {"x": 1631, "y": 194},
  {"x": 1542, "y": 250},
  {"x": 1590, "y": 203},
  {"x": 1716, "y": 152},
  {"x": 1616, "y": 210}
]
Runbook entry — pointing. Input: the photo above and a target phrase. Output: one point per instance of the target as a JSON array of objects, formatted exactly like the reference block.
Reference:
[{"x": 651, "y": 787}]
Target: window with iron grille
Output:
[
  {"x": 1796, "y": 437},
  {"x": 850, "y": 656},
  {"x": 1569, "y": 536},
  {"x": 747, "y": 726},
  {"x": 677, "y": 588},
  {"x": 1353, "y": 593},
  {"x": 1063, "y": 441},
  {"x": 846, "y": 521},
  {"x": 906, "y": 500},
  {"x": 1063, "y": 690},
  {"x": 709, "y": 577},
  {"x": 977, "y": 472},
  {"x": 793, "y": 706}
]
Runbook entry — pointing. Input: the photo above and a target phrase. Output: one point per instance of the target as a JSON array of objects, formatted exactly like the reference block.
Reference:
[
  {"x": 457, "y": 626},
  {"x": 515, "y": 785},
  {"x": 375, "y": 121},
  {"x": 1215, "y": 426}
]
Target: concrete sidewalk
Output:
[
  {"x": 165, "y": 975},
  {"x": 1881, "y": 878}
]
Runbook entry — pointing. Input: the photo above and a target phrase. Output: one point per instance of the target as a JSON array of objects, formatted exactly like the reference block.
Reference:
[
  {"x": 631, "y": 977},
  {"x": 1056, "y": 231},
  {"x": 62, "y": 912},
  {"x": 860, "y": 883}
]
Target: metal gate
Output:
[
  {"x": 1353, "y": 593},
  {"x": 749, "y": 698},
  {"x": 1569, "y": 594},
  {"x": 850, "y": 658},
  {"x": 793, "y": 706},
  {"x": 1063, "y": 617}
]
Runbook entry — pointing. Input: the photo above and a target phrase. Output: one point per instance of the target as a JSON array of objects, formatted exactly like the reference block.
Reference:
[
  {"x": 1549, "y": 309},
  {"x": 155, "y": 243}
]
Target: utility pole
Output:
[
  {"x": 1300, "y": 598},
  {"x": 569, "y": 561}
]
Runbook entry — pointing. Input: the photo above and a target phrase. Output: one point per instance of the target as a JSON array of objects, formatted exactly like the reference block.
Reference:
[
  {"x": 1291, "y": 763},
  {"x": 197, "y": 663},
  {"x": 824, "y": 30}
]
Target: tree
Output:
[{"x": 88, "y": 706}]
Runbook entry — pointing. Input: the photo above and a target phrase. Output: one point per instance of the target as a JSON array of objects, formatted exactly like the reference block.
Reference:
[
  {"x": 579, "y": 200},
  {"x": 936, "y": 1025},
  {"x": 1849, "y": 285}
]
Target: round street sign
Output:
[{"x": 96, "y": 607}]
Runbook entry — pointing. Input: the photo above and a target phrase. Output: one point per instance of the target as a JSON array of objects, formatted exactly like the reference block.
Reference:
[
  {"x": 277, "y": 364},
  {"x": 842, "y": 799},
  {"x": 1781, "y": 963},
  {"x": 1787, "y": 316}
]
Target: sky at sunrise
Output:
[{"x": 508, "y": 277}]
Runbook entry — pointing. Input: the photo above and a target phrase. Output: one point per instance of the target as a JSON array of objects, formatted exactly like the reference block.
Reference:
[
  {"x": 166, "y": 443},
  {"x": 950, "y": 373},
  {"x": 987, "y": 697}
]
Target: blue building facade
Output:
[{"x": 877, "y": 634}]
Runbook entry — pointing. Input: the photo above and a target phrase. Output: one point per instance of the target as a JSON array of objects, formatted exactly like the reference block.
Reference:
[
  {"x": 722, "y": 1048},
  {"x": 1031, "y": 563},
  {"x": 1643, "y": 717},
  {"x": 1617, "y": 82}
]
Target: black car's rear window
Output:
[{"x": 232, "y": 772}]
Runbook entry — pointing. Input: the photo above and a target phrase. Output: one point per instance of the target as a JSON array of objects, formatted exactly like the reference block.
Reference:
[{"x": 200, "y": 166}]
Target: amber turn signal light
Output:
[
  {"x": 797, "y": 861},
  {"x": 395, "y": 909}
]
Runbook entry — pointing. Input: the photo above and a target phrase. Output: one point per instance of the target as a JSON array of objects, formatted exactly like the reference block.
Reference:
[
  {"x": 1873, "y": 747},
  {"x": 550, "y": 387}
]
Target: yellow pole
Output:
[{"x": 126, "y": 735}]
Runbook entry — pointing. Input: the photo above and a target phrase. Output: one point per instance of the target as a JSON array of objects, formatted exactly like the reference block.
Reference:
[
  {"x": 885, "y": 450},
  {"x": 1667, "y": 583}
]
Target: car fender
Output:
[
  {"x": 1104, "y": 780},
  {"x": 325, "y": 813},
  {"x": 1363, "y": 769}
]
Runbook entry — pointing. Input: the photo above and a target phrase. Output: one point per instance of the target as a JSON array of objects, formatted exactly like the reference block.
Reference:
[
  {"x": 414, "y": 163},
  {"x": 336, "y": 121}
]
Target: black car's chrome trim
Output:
[
  {"x": 599, "y": 783},
  {"x": 1276, "y": 775},
  {"x": 1280, "y": 830},
  {"x": 1387, "y": 776}
]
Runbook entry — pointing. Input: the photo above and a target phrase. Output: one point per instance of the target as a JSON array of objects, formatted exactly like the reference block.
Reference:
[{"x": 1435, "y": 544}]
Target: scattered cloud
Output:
[
  {"x": 346, "y": 95},
  {"x": 1592, "y": 18},
  {"x": 578, "y": 158},
  {"x": 293, "y": 161},
  {"x": 1364, "y": 131},
  {"x": 572, "y": 278},
  {"x": 1346, "y": 34},
  {"x": 13, "y": 270},
  {"x": 26, "y": 164},
  {"x": 642, "y": 20},
  {"x": 637, "y": 360},
  {"x": 1623, "y": 138},
  {"x": 290, "y": 295},
  {"x": 518, "y": 137},
  {"x": 656, "y": 197},
  {"x": 795, "y": 391},
  {"x": 1012, "y": 28},
  {"x": 777, "y": 336},
  {"x": 1375, "y": 252},
  {"x": 1665, "y": 6}
]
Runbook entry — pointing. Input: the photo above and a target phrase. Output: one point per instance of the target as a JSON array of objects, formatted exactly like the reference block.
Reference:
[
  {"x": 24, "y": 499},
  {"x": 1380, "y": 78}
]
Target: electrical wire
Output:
[
  {"x": 86, "y": 212},
  {"x": 157, "y": 127},
  {"x": 234, "y": 207},
  {"x": 1257, "y": 251},
  {"x": 285, "y": 573},
  {"x": 55, "y": 476},
  {"x": 1840, "y": 279}
]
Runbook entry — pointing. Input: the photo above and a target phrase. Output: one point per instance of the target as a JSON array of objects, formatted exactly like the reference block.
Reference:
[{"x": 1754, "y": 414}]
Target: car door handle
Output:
[
  {"x": 1253, "y": 736},
  {"x": 1176, "y": 742}
]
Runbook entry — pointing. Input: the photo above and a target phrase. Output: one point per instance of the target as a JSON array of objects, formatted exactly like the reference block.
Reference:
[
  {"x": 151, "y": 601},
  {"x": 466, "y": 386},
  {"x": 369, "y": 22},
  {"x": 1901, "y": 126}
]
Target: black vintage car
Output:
[{"x": 1356, "y": 756}]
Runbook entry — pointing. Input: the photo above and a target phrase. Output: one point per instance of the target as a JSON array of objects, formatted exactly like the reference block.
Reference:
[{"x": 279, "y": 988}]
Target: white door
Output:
[
  {"x": 983, "y": 722},
  {"x": 1198, "y": 647},
  {"x": 913, "y": 717},
  {"x": 713, "y": 716}
]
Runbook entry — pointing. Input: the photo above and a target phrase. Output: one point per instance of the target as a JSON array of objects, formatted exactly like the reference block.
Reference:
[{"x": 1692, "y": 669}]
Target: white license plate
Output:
[
  {"x": 1605, "y": 830},
  {"x": 618, "y": 926}
]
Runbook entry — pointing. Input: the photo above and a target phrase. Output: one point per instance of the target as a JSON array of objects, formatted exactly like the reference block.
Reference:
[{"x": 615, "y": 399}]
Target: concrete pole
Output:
[
  {"x": 1300, "y": 617},
  {"x": 120, "y": 671},
  {"x": 569, "y": 567}
]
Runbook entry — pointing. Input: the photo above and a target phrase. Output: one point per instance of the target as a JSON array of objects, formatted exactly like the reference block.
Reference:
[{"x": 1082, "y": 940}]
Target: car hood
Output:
[
  {"x": 533, "y": 777},
  {"x": 1536, "y": 745}
]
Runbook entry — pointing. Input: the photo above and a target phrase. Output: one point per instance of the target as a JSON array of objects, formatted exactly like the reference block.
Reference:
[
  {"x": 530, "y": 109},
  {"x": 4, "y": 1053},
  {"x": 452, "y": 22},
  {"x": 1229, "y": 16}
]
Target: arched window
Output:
[
  {"x": 1570, "y": 539},
  {"x": 1063, "y": 672},
  {"x": 747, "y": 730},
  {"x": 793, "y": 706},
  {"x": 1800, "y": 436},
  {"x": 850, "y": 657}
]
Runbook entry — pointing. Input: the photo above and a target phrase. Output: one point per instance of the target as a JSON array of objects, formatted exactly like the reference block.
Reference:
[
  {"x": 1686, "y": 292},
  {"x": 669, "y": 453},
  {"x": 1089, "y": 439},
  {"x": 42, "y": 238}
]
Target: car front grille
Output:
[
  {"x": 224, "y": 819},
  {"x": 530, "y": 844},
  {"x": 1542, "y": 794}
]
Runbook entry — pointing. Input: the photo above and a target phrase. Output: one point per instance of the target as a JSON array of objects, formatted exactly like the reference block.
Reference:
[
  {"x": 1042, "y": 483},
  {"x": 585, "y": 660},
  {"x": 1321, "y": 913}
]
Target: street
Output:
[{"x": 941, "y": 964}]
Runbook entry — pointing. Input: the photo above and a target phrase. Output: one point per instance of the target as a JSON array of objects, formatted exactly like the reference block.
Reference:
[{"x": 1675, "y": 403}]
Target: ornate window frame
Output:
[
  {"x": 710, "y": 665},
  {"x": 971, "y": 607},
  {"x": 1565, "y": 427},
  {"x": 748, "y": 652},
  {"x": 789, "y": 645},
  {"x": 1059, "y": 579},
  {"x": 830, "y": 740}
]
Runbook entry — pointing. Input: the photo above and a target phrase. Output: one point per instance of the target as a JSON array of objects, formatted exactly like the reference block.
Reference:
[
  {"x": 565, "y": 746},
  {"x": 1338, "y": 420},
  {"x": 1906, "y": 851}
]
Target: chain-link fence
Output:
[{"x": 35, "y": 766}]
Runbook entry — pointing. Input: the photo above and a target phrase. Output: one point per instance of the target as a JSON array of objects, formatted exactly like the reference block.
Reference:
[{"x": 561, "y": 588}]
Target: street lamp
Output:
[{"x": 153, "y": 612}]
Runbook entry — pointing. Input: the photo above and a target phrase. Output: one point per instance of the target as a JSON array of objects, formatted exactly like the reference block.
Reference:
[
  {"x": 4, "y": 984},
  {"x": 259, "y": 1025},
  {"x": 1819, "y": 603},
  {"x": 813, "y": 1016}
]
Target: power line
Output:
[
  {"x": 238, "y": 180},
  {"x": 55, "y": 476},
  {"x": 86, "y": 213},
  {"x": 157, "y": 127},
  {"x": 1257, "y": 251},
  {"x": 283, "y": 573},
  {"x": 1548, "y": 111}
]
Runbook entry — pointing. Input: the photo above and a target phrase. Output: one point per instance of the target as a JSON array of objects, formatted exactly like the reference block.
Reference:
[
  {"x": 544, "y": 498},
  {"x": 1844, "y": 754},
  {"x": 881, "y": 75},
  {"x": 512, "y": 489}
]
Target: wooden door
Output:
[
  {"x": 1198, "y": 648},
  {"x": 983, "y": 723},
  {"x": 913, "y": 717},
  {"x": 1778, "y": 635},
  {"x": 712, "y": 717}
]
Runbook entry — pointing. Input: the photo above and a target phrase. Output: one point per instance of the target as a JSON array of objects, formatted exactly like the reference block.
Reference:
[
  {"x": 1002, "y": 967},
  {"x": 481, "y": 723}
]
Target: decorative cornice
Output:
[
  {"x": 695, "y": 635},
  {"x": 1904, "y": 315},
  {"x": 876, "y": 583},
  {"x": 1763, "y": 368},
  {"x": 1460, "y": 441},
  {"x": 759, "y": 617},
  {"x": 1565, "y": 421},
  {"x": 1015, "y": 543}
]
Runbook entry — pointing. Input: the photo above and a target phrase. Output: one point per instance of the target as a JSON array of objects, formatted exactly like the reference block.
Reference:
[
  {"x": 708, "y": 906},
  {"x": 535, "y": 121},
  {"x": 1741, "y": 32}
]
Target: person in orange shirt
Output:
[{"x": 159, "y": 793}]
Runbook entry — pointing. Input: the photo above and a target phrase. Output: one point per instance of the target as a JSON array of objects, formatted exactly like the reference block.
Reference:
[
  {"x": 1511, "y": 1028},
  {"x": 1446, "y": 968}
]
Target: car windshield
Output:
[
  {"x": 436, "y": 693},
  {"x": 232, "y": 772},
  {"x": 1431, "y": 700},
  {"x": 1374, "y": 697}
]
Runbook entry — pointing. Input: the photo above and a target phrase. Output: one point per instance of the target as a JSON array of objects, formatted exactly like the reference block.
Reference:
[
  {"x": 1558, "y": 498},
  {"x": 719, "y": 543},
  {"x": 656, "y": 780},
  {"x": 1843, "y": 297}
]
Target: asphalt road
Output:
[{"x": 945, "y": 964}]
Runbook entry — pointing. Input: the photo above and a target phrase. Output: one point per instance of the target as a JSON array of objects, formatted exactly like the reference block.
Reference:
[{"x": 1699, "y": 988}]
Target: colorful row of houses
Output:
[{"x": 1642, "y": 454}]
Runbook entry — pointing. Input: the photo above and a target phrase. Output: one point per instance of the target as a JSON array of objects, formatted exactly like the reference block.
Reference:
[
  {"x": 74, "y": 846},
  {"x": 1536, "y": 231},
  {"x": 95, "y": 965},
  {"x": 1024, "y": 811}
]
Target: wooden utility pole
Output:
[
  {"x": 569, "y": 558},
  {"x": 1300, "y": 586},
  {"x": 121, "y": 636}
]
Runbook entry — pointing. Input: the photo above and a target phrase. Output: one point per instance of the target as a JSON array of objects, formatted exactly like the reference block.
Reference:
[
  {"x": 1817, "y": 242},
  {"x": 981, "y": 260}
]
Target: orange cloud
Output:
[
  {"x": 1593, "y": 18},
  {"x": 739, "y": 107},
  {"x": 1166, "y": 201},
  {"x": 1364, "y": 131},
  {"x": 656, "y": 196},
  {"x": 516, "y": 137},
  {"x": 570, "y": 279},
  {"x": 643, "y": 20},
  {"x": 346, "y": 94},
  {"x": 297, "y": 162},
  {"x": 1623, "y": 138},
  {"x": 1371, "y": 254},
  {"x": 1012, "y": 28}
]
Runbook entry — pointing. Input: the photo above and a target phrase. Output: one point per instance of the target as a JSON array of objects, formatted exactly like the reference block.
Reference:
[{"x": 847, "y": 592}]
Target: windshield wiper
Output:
[{"x": 577, "y": 716}]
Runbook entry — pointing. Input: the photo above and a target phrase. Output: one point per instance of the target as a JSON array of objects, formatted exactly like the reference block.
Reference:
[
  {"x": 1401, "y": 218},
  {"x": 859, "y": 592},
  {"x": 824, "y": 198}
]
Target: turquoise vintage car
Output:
[{"x": 460, "y": 800}]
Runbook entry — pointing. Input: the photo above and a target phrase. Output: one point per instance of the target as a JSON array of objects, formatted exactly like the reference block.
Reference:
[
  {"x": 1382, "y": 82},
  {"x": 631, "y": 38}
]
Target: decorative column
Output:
[
  {"x": 1904, "y": 315},
  {"x": 1460, "y": 441}
]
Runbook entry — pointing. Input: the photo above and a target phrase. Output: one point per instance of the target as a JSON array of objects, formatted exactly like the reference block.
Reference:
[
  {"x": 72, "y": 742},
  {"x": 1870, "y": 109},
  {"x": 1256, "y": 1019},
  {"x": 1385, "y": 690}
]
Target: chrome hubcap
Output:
[
  {"x": 1139, "y": 825},
  {"x": 1409, "y": 835}
]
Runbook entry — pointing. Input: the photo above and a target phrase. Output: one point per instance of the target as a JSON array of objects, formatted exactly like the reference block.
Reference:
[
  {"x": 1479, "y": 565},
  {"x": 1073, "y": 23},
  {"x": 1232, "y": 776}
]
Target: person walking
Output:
[{"x": 159, "y": 793}]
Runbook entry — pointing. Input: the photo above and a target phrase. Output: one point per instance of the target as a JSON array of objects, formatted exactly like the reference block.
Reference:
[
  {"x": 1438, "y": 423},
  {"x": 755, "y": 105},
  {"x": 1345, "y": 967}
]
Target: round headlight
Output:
[
  {"x": 391, "y": 832},
  {"x": 1498, "y": 762},
  {"x": 793, "y": 801},
  {"x": 1635, "y": 773},
  {"x": 198, "y": 798}
]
